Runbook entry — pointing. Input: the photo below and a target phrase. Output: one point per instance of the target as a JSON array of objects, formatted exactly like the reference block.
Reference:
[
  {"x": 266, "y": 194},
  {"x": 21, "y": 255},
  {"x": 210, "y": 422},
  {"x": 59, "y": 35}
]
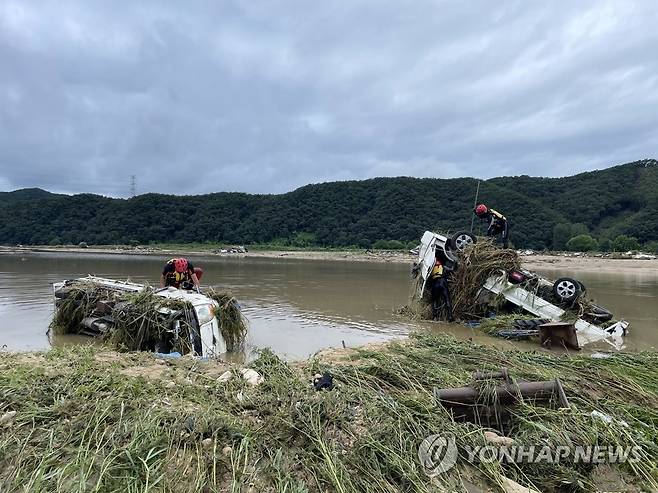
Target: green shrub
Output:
[
  {"x": 625, "y": 243},
  {"x": 303, "y": 240},
  {"x": 651, "y": 247},
  {"x": 605, "y": 245},
  {"x": 582, "y": 243}
]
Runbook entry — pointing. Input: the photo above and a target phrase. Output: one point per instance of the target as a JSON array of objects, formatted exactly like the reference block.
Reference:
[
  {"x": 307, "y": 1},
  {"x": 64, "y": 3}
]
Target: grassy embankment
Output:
[{"x": 88, "y": 420}]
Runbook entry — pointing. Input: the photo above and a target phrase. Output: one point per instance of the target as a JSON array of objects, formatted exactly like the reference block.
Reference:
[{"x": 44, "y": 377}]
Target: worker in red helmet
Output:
[
  {"x": 180, "y": 273},
  {"x": 498, "y": 224}
]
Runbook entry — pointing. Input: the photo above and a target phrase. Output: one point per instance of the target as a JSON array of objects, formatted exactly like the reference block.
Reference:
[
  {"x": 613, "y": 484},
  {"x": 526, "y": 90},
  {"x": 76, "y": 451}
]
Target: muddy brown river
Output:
[{"x": 295, "y": 307}]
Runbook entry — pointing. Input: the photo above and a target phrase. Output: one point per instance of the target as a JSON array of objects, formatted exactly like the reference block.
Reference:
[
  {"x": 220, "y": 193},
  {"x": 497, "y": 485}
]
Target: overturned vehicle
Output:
[
  {"x": 137, "y": 317},
  {"x": 486, "y": 280}
]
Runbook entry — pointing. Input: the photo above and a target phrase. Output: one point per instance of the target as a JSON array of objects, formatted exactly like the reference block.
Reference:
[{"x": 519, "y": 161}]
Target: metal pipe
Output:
[
  {"x": 505, "y": 394},
  {"x": 497, "y": 375}
]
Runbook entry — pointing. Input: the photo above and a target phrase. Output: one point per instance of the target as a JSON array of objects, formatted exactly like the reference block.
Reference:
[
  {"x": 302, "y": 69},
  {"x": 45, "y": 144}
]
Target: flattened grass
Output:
[{"x": 83, "y": 425}]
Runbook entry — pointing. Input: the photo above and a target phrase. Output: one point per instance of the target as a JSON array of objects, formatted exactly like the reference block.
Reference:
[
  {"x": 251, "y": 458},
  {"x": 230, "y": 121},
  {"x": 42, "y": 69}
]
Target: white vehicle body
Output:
[
  {"x": 426, "y": 256},
  {"x": 212, "y": 342},
  {"x": 587, "y": 332}
]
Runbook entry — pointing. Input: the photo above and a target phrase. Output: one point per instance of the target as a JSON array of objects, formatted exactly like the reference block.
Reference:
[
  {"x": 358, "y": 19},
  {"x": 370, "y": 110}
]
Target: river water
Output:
[{"x": 295, "y": 307}]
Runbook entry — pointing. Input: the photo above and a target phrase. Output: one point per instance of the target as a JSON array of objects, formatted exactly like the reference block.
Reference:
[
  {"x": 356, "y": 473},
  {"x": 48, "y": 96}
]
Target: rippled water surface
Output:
[{"x": 296, "y": 307}]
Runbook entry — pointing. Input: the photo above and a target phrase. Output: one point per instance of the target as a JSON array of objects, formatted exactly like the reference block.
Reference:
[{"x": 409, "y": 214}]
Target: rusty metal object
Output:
[
  {"x": 490, "y": 406},
  {"x": 507, "y": 393},
  {"x": 561, "y": 334},
  {"x": 488, "y": 375}
]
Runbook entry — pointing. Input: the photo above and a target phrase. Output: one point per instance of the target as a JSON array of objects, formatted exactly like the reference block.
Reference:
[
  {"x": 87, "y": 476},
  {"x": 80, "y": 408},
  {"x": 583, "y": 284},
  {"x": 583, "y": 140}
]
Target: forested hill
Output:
[{"x": 543, "y": 212}]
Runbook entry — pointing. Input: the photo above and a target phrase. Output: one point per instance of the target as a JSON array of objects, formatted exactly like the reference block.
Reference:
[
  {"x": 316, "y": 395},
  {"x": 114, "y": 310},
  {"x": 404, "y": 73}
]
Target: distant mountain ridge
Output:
[
  {"x": 618, "y": 200},
  {"x": 25, "y": 194}
]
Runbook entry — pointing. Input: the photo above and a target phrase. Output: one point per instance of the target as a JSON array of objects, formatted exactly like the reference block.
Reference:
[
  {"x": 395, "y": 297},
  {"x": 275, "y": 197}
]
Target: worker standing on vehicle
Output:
[
  {"x": 179, "y": 272},
  {"x": 498, "y": 224},
  {"x": 439, "y": 289}
]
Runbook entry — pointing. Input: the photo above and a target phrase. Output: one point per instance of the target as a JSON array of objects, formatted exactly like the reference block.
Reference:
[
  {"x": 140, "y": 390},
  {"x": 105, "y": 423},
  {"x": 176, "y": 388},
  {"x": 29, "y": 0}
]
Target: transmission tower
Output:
[{"x": 133, "y": 185}]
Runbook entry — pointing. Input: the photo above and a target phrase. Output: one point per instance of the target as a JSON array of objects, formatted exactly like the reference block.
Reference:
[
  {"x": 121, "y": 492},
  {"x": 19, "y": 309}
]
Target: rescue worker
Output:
[
  {"x": 497, "y": 223},
  {"x": 180, "y": 273},
  {"x": 439, "y": 288}
]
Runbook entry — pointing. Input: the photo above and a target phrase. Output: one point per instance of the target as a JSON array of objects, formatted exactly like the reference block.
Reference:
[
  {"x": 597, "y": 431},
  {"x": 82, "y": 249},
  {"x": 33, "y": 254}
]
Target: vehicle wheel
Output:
[
  {"x": 566, "y": 289},
  {"x": 461, "y": 240},
  {"x": 530, "y": 324},
  {"x": 599, "y": 314}
]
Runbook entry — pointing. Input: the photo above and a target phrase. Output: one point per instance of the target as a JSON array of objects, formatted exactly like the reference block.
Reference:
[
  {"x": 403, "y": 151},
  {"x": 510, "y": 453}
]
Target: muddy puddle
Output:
[{"x": 296, "y": 307}]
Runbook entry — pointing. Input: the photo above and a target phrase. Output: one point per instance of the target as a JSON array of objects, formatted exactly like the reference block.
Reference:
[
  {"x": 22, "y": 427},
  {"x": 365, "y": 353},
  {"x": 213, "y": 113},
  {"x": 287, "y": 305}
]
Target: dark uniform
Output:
[
  {"x": 498, "y": 225},
  {"x": 440, "y": 292}
]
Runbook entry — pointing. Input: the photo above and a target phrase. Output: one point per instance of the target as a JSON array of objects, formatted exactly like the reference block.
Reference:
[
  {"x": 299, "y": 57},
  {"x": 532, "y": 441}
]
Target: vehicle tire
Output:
[
  {"x": 566, "y": 289},
  {"x": 530, "y": 324},
  {"x": 599, "y": 314},
  {"x": 451, "y": 265},
  {"x": 583, "y": 288},
  {"x": 461, "y": 239}
]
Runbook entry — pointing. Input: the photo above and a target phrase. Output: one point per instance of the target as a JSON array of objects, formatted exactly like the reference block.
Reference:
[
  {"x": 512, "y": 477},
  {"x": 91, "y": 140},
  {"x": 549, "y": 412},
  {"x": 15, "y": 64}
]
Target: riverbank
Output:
[
  {"x": 531, "y": 262},
  {"x": 86, "y": 419},
  {"x": 546, "y": 262}
]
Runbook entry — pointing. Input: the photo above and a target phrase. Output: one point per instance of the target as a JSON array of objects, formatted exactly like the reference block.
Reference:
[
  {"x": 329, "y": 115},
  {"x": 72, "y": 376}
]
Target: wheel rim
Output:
[
  {"x": 566, "y": 289},
  {"x": 463, "y": 240}
]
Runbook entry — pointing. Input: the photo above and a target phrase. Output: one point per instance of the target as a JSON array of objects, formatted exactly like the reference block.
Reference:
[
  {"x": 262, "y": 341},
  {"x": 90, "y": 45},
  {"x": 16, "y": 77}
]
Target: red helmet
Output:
[
  {"x": 180, "y": 264},
  {"x": 481, "y": 210}
]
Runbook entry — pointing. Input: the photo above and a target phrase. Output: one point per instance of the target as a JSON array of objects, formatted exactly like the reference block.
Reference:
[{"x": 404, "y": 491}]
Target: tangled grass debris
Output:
[
  {"x": 81, "y": 301},
  {"x": 232, "y": 323},
  {"x": 82, "y": 424},
  {"x": 476, "y": 264},
  {"x": 142, "y": 320}
]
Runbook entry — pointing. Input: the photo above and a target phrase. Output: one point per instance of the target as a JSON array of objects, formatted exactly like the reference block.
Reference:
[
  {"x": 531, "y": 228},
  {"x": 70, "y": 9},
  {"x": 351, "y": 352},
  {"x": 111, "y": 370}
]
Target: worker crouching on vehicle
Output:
[
  {"x": 497, "y": 223},
  {"x": 439, "y": 288},
  {"x": 180, "y": 273}
]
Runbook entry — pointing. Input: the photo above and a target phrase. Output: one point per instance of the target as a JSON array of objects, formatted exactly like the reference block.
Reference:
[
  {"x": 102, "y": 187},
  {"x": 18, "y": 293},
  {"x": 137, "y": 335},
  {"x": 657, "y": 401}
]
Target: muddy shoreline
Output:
[{"x": 546, "y": 262}]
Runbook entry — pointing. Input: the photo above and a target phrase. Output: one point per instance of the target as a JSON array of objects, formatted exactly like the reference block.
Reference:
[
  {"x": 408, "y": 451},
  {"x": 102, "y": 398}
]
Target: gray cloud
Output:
[{"x": 267, "y": 96}]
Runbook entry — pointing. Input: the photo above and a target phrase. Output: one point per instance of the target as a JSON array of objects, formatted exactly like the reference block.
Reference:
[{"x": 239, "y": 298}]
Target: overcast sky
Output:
[{"x": 266, "y": 96}]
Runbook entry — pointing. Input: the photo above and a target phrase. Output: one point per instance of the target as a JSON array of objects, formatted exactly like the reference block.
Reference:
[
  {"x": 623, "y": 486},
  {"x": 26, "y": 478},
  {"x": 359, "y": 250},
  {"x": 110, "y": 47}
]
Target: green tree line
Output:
[{"x": 544, "y": 213}]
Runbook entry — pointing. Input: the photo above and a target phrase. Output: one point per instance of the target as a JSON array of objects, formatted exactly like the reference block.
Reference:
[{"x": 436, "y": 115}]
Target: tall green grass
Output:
[{"x": 82, "y": 424}]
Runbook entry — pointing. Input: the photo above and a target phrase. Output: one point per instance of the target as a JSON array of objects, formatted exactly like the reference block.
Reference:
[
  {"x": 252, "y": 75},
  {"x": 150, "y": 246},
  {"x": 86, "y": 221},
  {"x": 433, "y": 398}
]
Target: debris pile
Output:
[
  {"x": 477, "y": 263},
  {"x": 484, "y": 282},
  {"x": 142, "y": 320}
]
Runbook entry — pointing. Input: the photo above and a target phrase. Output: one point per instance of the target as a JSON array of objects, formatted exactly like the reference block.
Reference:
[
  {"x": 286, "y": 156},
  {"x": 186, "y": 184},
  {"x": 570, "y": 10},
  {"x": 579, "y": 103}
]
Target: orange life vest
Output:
[{"x": 437, "y": 270}]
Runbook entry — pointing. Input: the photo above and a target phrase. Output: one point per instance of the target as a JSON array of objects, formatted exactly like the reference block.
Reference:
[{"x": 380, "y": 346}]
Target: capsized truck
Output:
[
  {"x": 206, "y": 338},
  {"x": 512, "y": 286},
  {"x": 450, "y": 246}
]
